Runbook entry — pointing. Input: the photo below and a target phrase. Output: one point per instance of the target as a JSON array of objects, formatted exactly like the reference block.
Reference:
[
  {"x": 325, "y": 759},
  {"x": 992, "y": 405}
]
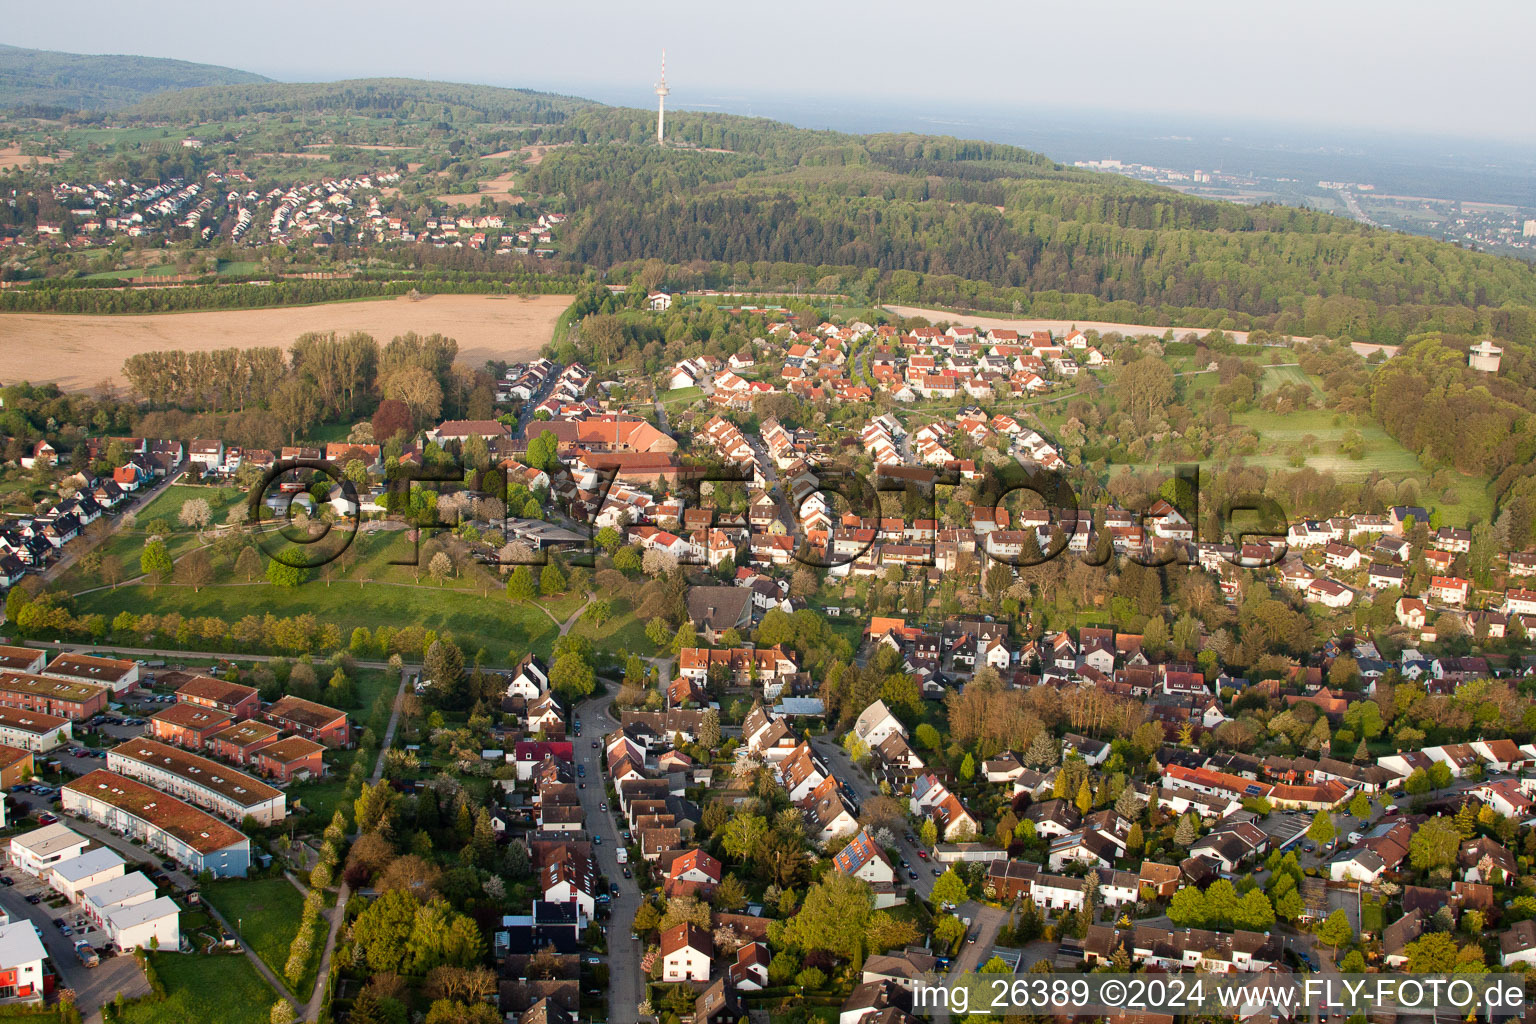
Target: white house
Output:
[
  {"x": 21, "y": 959},
  {"x": 153, "y": 924},
  {"x": 686, "y": 952},
  {"x": 70, "y": 877},
  {"x": 125, "y": 890},
  {"x": 530, "y": 681},
  {"x": 875, "y": 723},
  {"x": 38, "y": 851}
]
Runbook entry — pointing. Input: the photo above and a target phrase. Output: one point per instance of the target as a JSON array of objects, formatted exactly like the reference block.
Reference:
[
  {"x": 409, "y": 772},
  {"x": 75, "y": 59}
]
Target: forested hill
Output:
[
  {"x": 46, "y": 80},
  {"x": 747, "y": 201},
  {"x": 402, "y": 99}
]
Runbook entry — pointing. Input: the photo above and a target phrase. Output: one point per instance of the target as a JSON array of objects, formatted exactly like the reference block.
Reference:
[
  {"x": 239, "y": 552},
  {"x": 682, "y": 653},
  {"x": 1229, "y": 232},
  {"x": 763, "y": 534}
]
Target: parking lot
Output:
[{"x": 93, "y": 986}]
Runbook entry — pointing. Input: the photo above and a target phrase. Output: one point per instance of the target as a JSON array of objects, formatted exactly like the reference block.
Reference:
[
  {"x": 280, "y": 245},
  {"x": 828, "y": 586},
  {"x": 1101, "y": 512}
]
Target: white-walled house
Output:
[
  {"x": 37, "y": 852},
  {"x": 153, "y": 924},
  {"x": 71, "y": 877}
]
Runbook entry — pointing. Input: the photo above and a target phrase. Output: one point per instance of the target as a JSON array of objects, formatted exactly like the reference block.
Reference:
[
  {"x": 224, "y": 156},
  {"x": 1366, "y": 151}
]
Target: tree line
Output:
[{"x": 323, "y": 377}]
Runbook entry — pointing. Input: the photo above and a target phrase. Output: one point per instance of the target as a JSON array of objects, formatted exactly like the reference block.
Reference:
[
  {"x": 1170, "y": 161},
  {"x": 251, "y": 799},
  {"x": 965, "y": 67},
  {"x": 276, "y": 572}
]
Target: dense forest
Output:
[
  {"x": 1031, "y": 243},
  {"x": 749, "y": 202},
  {"x": 400, "y": 98},
  {"x": 49, "y": 82}
]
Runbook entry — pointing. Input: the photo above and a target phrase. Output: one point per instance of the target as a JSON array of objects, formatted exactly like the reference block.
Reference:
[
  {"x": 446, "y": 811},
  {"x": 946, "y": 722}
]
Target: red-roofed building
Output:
[
  {"x": 310, "y": 720},
  {"x": 290, "y": 759},
  {"x": 188, "y": 725},
  {"x": 693, "y": 872}
]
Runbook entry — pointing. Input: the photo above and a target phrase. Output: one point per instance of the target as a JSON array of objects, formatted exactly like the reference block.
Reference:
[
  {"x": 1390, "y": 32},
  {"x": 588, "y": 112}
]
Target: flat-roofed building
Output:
[
  {"x": 36, "y": 852},
  {"x": 156, "y": 923},
  {"x": 59, "y": 697},
  {"x": 21, "y": 963},
  {"x": 118, "y": 673},
  {"x": 232, "y": 698},
  {"x": 188, "y": 725},
  {"x": 15, "y": 768},
  {"x": 122, "y": 891},
  {"x": 310, "y": 720},
  {"x": 204, "y": 783},
  {"x": 192, "y": 837},
  {"x": 21, "y": 659},
  {"x": 71, "y": 877},
  {"x": 33, "y": 730},
  {"x": 292, "y": 758},
  {"x": 240, "y": 742}
]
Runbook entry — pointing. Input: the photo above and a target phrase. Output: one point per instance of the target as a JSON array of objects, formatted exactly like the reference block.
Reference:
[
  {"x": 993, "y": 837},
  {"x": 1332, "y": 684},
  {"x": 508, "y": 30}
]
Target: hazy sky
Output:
[{"x": 1414, "y": 65}]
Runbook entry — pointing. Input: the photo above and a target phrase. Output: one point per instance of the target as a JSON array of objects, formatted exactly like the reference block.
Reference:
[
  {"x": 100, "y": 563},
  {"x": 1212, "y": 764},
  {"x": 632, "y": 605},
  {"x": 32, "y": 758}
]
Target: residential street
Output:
[
  {"x": 626, "y": 988},
  {"x": 837, "y": 760}
]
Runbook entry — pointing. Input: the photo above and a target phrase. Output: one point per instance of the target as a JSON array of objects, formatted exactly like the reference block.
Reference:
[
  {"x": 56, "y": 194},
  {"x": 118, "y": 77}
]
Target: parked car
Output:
[
  {"x": 597, "y": 840},
  {"x": 34, "y": 899}
]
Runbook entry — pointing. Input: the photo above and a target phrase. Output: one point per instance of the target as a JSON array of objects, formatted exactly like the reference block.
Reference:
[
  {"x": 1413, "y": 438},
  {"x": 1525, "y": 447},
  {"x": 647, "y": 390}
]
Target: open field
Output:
[
  {"x": 77, "y": 352},
  {"x": 1054, "y": 326},
  {"x": 223, "y": 988},
  {"x": 497, "y": 188},
  {"x": 265, "y": 910},
  {"x": 1276, "y": 377},
  {"x": 10, "y": 156}
]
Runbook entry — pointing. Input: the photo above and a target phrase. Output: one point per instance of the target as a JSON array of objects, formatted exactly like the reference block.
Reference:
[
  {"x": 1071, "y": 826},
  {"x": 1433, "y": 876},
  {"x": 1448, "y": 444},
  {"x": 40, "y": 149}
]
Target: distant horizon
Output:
[
  {"x": 1369, "y": 65},
  {"x": 625, "y": 94}
]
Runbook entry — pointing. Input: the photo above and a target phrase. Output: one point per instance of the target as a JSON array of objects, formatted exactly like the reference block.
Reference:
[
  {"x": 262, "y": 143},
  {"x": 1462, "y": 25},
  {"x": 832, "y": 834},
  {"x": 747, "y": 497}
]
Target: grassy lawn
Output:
[
  {"x": 322, "y": 797},
  {"x": 264, "y": 911},
  {"x": 167, "y": 504},
  {"x": 1275, "y": 377},
  {"x": 224, "y": 988},
  {"x": 624, "y": 634},
  {"x": 681, "y": 396}
]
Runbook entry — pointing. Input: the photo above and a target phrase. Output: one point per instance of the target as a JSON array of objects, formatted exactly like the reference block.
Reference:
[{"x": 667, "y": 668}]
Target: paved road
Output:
[
  {"x": 986, "y": 922},
  {"x": 169, "y": 655},
  {"x": 846, "y": 772},
  {"x": 626, "y": 987}
]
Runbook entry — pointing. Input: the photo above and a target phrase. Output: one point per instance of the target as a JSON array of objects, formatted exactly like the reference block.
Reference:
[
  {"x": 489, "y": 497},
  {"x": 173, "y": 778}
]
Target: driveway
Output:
[{"x": 626, "y": 987}]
